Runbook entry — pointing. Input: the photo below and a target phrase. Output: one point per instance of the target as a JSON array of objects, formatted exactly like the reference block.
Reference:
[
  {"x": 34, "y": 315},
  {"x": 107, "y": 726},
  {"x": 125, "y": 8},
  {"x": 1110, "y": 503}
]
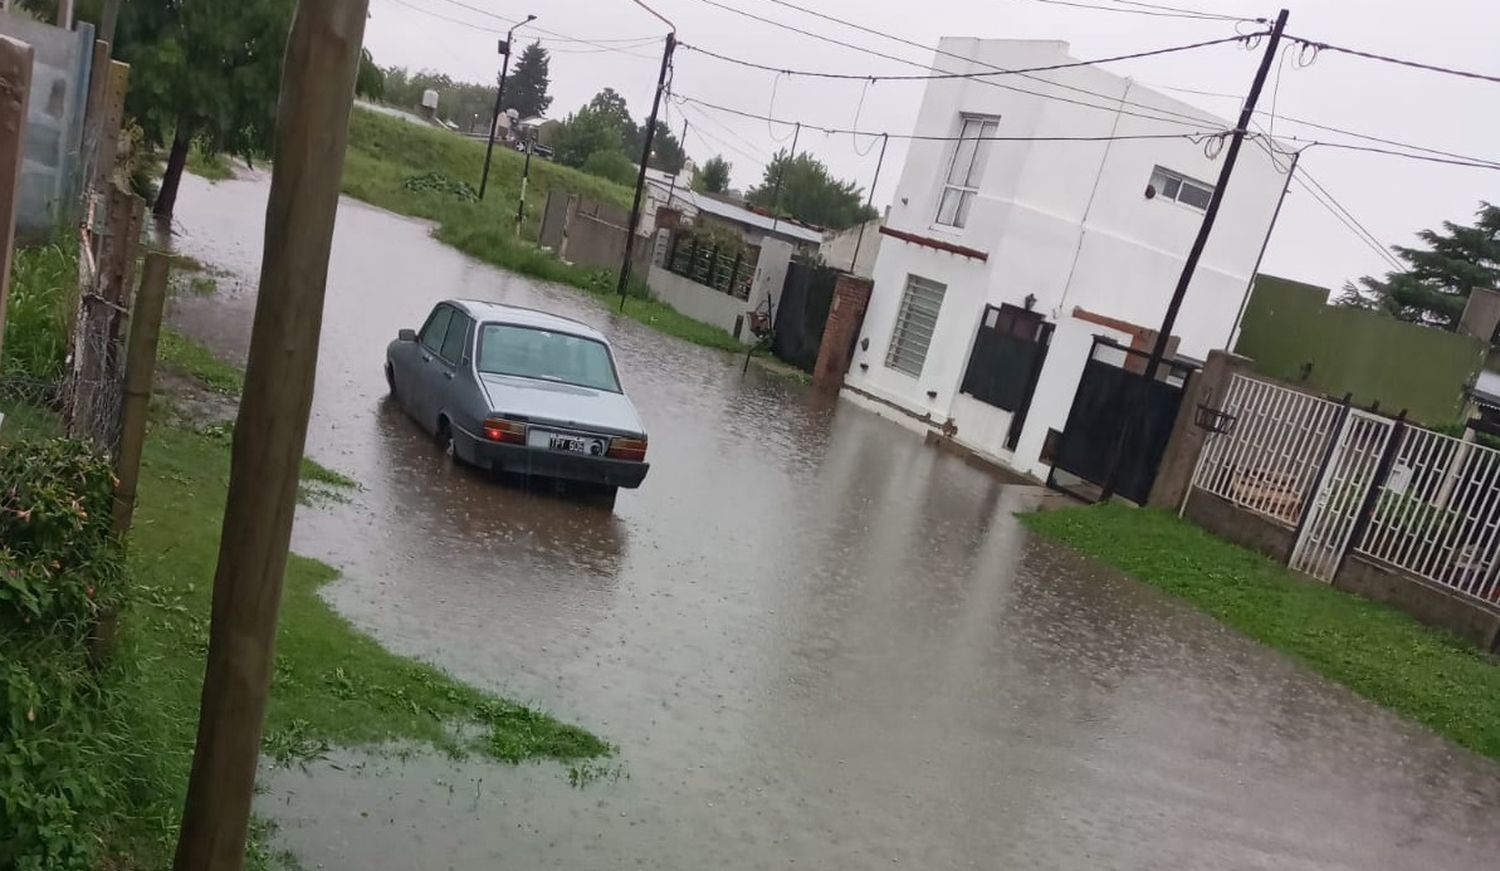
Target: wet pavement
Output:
[{"x": 817, "y": 642}]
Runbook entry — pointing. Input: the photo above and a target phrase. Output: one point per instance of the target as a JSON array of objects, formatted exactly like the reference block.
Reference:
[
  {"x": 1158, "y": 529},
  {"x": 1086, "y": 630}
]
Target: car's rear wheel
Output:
[
  {"x": 390, "y": 378},
  {"x": 446, "y": 442}
]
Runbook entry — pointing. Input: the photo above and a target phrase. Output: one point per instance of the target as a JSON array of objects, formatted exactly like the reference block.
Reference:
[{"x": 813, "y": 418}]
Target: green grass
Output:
[
  {"x": 385, "y": 152},
  {"x": 193, "y": 359},
  {"x": 43, "y": 296},
  {"x": 1425, "y": 674},
  {"x": 214, "y": 167}
]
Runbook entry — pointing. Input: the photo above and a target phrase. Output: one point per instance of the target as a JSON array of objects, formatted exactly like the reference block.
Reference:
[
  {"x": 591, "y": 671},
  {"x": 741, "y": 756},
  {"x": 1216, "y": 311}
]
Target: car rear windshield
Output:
[{"x": 507, "y": 349}]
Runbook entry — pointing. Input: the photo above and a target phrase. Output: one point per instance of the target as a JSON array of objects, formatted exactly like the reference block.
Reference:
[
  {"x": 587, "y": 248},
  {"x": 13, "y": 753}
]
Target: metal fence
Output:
[
  {"x": 1269, "y": 461},
  {"x": 1353, "y": 481},
  {"x": 725, "y": 269},
  {"x": 1437, "y": 513}
]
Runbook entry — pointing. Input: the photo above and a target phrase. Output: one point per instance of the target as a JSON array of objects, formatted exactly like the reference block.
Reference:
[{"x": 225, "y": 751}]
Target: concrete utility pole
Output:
[
  {"x": 640, "y": 178},
  {"x": 1164, "y": 334},
  {"x": 312, "y": 129},
  {"x": 484, "y": 178},
  {"x": 15, "y": 92}
]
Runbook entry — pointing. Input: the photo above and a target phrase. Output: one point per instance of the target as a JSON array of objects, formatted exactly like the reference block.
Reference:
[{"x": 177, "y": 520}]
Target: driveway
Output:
[{"x": 816, "y": 641}]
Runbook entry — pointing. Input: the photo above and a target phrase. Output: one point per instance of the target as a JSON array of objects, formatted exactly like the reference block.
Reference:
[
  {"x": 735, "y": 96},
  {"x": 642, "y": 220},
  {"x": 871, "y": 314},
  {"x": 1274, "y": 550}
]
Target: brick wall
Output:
[{"x": 846, "y": 314}]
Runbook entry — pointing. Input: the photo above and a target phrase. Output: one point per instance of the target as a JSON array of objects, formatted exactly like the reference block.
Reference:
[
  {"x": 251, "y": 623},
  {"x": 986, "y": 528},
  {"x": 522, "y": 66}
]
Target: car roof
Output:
[{"x": 482, "y": 310}]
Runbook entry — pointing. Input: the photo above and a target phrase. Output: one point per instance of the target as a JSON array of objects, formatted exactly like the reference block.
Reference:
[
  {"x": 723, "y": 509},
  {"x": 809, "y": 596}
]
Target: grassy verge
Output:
[
  {"x": 386, "y": 153},
  {"x": 1384, "y": 655},
  {"x": 214, "y": 167}
]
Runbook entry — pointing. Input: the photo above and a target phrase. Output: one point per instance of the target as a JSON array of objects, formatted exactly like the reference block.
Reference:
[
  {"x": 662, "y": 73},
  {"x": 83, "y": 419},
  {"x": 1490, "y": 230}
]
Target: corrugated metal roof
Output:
[{"x": 742, "y": 215}]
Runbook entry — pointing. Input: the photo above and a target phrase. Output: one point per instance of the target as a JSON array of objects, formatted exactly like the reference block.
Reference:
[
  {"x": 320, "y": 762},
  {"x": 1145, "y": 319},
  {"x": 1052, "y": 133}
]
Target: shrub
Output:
[
  {"x": 43, "y": 293},
  {"x": 611, "y": 165},
  {"x": 58, "y": 561}
]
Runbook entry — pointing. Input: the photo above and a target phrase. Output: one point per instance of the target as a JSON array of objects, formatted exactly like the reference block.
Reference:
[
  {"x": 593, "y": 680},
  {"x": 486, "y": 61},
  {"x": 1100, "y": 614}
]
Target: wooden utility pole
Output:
[
  {"x": 312, "y": 129},
  {"x": 140, "y": 370},
  {"x": 15, "y": 88},
  {"x": 640, "y": 179}
]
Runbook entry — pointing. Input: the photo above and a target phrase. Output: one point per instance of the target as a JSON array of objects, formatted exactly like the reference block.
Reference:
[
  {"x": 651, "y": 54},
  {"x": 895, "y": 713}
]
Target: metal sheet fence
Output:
[
  {"x": 1269, "y": 461},
  {"x": 1437, "y": 514}
]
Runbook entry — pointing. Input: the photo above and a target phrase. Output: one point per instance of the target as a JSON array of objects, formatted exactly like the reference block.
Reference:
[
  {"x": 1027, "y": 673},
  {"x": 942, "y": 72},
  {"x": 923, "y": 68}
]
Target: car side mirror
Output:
[{"x": 406, "y": 335}]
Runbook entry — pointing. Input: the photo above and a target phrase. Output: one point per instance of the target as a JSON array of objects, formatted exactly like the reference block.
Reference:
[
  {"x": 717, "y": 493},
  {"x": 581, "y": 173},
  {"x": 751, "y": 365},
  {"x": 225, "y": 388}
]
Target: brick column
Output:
[
  {"x": 1180, "y": 459},
  {"x": 846, "y": 314}
]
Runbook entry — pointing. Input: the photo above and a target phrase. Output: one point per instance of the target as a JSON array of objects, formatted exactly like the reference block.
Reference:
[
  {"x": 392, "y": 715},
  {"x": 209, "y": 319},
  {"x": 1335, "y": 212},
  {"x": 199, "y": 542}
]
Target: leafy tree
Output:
[
  {"x": 612, "y": 165},
  {"x": 526, "y": 86},
  {"x": 203, "y": 73},
  {"x": 603, "y": 124},
  {"x": 809, "y": 193},
  {"x": 371, "y": 80},
  {"x": 469, "y": 105},
  {"x": 667, "y": 154},
  {"x": 1435, "y": 287},
  {"x": 713, "y": 176}
]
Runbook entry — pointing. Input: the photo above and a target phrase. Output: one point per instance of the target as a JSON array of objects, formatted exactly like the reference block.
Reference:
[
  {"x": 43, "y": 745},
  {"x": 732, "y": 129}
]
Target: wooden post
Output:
[
  {"x": 111, "y": 116},
  {"x": 140, "y": 370},
  {"x": 15, "y": 88},
  {"x": 312, "y": 129}
]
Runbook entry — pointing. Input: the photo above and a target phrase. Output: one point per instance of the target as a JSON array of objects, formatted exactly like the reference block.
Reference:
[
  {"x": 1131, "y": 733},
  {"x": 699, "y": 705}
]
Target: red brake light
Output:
[
  {"x": 498, "y": 429},
  {"x": 627, "y": 449}
]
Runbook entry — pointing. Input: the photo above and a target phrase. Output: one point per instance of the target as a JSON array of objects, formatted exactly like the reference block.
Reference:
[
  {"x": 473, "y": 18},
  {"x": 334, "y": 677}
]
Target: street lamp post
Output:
[{"x": 484, "y": 178}]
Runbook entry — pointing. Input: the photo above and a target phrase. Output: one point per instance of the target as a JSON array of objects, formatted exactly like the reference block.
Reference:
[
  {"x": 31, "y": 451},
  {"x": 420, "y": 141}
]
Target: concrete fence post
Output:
[
  {"x": 1180, "y": 458},
  {"x": 15, "y": 90}
]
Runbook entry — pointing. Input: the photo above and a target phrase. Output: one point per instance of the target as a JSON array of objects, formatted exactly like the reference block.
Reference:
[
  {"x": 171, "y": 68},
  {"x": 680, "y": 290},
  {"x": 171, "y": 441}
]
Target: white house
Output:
[{"x": 1062, "y": 239}]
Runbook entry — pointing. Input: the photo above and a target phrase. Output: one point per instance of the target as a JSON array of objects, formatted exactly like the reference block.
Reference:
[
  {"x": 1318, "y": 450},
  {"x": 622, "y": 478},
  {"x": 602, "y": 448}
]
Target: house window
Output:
[
  {"x": 914, "y": 324},
  {"x": 1178, "y": 187},
  {"x": 964, "y": 169}
]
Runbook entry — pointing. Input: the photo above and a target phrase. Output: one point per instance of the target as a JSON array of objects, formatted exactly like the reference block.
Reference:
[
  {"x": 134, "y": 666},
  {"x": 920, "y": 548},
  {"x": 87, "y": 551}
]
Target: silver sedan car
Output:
[{"x": 518, "y": 390}]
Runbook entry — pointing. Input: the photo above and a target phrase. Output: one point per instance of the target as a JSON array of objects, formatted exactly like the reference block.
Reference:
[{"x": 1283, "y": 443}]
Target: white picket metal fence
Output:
[
  {"x": 1349, "y": 480},
  {"x": 1437, "y": 513},
  {"x": 1268, "y": 461}
]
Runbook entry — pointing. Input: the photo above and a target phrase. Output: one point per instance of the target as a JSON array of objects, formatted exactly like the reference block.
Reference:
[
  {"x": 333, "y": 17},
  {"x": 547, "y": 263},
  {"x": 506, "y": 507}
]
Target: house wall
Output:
[
  {"x": 703, "y": 303},
  {"x": 838, "y": 248},
  {"x": 1289, "y": 327},
  {"x": 1066, "y": 222},
  {"x": 52, "y": 155}
]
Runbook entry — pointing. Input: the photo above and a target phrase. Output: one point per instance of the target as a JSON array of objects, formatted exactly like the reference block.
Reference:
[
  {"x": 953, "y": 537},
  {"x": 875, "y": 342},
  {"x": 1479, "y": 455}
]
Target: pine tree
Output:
[
  {"x": 1435, "y": 287},
  {"x": 526, "y": 86}
]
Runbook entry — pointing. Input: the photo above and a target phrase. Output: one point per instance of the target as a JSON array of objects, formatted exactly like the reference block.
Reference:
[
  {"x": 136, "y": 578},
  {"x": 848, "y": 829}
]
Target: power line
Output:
[
  {"x": 561, "y": 36},
  {"x": 1466, "y": 159},
  {"x": 1180, "y": 118},
  {"x": 1150, "y": 9},
  {"x": 730, "y": 131},
  {"x": 1342, "y": 215},
  {"x": 1196, "y": 136},
  {"x": 1368, "y": 55},
  {"x": 1371, "y": 149},
  {"x": 977, "y": 76},
  {"x": 597, "y": 47}
]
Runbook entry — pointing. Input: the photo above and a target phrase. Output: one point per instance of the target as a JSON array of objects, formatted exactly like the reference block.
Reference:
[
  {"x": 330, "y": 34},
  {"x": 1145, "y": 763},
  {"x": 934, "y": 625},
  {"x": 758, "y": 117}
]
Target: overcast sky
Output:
[{"x": 1392, "y": 197}]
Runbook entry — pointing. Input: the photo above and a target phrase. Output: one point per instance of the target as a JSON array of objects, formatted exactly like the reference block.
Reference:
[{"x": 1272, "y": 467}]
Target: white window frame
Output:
[
  {"x": 960, "y": 181},
  {"x": 911, "y": 336},
  {"x": 1170, "y": 184}
]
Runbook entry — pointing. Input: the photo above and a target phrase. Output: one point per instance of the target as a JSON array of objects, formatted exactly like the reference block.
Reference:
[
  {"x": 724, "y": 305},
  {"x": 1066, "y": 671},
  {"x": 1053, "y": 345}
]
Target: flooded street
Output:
[{"x": 816, "y": 641}]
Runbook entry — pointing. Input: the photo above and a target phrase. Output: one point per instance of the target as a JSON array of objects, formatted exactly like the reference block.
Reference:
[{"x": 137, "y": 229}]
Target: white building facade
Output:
[{"x": 1081, "y": 223}]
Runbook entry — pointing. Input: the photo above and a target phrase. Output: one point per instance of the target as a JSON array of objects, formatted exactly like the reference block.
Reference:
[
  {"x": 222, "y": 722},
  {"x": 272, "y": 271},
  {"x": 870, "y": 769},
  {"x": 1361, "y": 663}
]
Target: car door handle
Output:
[{"x": 448, "y": 375}]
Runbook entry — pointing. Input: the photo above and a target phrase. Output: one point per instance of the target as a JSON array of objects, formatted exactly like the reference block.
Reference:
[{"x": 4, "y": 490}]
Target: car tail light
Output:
[
  {"x": 627, "y": 449},
  {"x": 498, "y": 429}
]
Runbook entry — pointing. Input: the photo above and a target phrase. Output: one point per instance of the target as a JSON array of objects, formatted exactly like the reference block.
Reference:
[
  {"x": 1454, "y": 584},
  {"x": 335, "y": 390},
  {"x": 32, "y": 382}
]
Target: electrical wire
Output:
[
  {"x": 1345, "y": 217},
  {"x": 596, "y": 48},
  {"x": 714, "y": 142},
  {"x": 1368, "y": 55},
  {"x": 560, "y": 36},
  {"x": 1371, "y": 149},
  {"x": 1196, "y": 136},
  {"x": 1149, "y": 9},
  {"x": 944, "y": 75},
  {"x": 1181, "y": 119}
]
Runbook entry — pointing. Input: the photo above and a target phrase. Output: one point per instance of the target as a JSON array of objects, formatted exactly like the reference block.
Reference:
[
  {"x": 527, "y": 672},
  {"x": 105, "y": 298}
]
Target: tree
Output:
[
  {"x": 204, "y": 74},
  {"x": 809, "y": 193},
  {"x": 1435, "y": 287},
  {"x": 667, "y": 154},
  {"x": 713, "y": 176},
  {"x": 526, "y": 86},
  {"x": 603, "y": 124},
  {"x": 469, "y": 105},
  {"x": 371, "y": 81}
]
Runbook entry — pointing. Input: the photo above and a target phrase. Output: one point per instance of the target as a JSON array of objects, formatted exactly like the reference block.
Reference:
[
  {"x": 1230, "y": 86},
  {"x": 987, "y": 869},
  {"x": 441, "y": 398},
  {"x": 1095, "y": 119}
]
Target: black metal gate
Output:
[
  {"x": 806, "y": 297},
  {"x": 1112, "y": 391},
  {"x": 1005, "y": 362}
]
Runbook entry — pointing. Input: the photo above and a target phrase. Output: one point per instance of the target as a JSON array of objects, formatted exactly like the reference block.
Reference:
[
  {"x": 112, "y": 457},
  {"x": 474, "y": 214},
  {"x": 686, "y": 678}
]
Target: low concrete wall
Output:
[
  {"x": 1241, "y": 526},
  {"x": 701, "y": 303},
  {"x": 1472, "y": 620},
  {"x": 554, "y": 220}
]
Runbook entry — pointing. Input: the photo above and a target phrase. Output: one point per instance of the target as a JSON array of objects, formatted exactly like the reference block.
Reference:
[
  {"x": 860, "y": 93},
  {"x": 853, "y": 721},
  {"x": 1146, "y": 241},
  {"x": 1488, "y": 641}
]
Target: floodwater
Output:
[{"x": 816, "y": 641}]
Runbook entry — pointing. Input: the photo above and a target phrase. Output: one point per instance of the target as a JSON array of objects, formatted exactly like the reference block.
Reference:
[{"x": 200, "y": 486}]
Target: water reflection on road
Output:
[{"x": 816, "y": 641}]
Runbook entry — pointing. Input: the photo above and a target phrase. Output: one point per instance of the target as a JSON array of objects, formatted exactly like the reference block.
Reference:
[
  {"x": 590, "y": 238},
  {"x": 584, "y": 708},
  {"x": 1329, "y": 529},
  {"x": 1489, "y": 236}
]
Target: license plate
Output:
[{"x": 573, "y": 444}]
